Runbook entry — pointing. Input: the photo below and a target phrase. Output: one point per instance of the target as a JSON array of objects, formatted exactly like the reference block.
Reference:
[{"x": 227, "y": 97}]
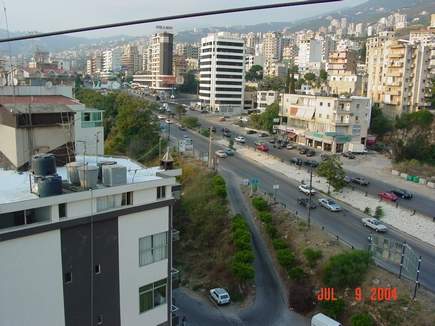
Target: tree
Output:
[
  {"x": 179, "y": 110},
  {"x": 362, "y": 319},
  {"x": 333, "y": 309},
  {"x": 310, "y": 77},
  {"x": 312, "y": 256},
  {"x": 379, "y": 123},
  {"x": 272, "y": 83},
  {"x": 379, "y": 212},
  {"x": 255, "y": 73},
  {"x": 231, "y": 143},
  {"x": 332, "y": 170},
  {"x": 291, "y": 82},
  {"x": 190, "y": 122},
  {"x": 190, "y": 84},
  {"x": 264, "y": 121},
  {"x": 323, "y": 76}
]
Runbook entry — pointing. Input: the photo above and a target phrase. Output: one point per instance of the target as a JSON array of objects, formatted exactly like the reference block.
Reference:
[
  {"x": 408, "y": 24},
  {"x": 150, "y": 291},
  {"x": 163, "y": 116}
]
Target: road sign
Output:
[{"x": 276, "y": 187}]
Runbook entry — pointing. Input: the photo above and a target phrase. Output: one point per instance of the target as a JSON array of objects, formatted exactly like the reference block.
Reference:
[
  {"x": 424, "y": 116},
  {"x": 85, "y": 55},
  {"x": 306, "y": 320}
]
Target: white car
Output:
[
  {"x": 168, "y": 121},
  {"x": 161, "y": 117},
  {"x": 330, "y": 204},
  {"x": 374, "y": 224},
  {"x": 220, "y": 296},
  {"x": 240, "y": 139},
  {"x": 220, "y": 153},
  {"x": 306, "y": 190}
]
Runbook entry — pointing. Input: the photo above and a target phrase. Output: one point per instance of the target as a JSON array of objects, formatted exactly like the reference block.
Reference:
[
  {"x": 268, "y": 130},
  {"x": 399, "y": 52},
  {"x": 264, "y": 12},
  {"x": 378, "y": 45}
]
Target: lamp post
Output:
[{"x": 309, "y": 197}]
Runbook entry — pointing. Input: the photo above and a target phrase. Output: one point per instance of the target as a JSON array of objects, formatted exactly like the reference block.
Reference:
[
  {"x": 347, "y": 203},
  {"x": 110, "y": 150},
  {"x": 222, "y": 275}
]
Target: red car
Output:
[
  {"x": 388, "y": 196},
  {"x": 263, "y": 147}
]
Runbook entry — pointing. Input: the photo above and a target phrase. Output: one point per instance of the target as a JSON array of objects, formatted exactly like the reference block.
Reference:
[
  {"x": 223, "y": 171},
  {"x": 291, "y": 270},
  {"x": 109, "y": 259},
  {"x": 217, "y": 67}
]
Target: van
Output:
[{"x": 323, "y": 320}]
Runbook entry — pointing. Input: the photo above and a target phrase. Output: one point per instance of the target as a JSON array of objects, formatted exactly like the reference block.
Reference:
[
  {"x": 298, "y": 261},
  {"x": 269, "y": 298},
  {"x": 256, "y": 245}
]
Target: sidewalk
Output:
[{"x": 418, "y": 225}]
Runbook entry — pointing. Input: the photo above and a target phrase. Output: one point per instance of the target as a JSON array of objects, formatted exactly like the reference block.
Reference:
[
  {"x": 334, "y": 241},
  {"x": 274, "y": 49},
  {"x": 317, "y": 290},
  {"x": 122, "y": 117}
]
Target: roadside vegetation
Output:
[
  {"x": 264, "y": 121},
  {"x": 215, "y": 248},
  {"x": 332, "y": 170}
]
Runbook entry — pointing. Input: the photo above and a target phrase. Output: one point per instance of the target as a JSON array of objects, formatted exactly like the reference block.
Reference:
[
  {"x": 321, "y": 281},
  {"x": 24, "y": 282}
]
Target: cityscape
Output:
[{"x": 278, "y": 173}]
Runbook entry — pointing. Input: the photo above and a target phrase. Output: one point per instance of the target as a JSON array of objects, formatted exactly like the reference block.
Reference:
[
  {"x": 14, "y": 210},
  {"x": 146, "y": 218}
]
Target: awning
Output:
[{"x": 302, "y": 112}]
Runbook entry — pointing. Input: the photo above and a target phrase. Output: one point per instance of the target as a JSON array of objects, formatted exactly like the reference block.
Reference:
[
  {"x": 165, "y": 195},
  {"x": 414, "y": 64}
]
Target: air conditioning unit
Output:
[{"x": 114, "y": 175}]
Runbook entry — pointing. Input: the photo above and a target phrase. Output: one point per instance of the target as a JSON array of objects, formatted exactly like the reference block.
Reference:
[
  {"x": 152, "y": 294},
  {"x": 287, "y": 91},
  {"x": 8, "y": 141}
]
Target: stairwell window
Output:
[
  {"x": 161, "y": 192},
  {"x": 153, "y": 248}
]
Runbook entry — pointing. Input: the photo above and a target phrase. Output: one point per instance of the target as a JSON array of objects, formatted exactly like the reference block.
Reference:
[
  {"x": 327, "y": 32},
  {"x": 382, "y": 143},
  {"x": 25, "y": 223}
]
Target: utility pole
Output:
[
  {"x": 309, "y": 197},
  {"x": 210, "y": 161}
]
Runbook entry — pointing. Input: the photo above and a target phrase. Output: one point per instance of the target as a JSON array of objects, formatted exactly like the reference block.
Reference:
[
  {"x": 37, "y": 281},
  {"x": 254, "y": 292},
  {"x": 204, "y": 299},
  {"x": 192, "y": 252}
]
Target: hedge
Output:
[
  {"x": 285, "y": 258},
  {"x": 260, "y": 204}
]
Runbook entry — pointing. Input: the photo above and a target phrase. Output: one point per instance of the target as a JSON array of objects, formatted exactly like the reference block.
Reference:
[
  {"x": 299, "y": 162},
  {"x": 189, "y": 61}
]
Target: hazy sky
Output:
[{"x": 49, "y": 15}]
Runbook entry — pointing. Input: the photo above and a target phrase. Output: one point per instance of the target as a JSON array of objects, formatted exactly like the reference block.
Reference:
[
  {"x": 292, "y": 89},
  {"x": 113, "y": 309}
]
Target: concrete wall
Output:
[
  {"x": 131, "y": 277},
  {"x": 31, "y": 281},
  {"x": 8, "y": 143}
]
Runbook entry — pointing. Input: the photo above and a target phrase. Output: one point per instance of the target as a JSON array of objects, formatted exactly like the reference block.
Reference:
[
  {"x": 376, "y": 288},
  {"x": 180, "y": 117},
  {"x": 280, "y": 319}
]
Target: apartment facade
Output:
[
  {"x": 328, "y": 123},
  {"x": 342, "y": 73},
  {"x": 222, "y": 73},
  {"x": 266, "y": 98},
  {"x": 272, "y": 46},
  {"x": 309, "y": 55},
  {"x": 106, "y": 250}
]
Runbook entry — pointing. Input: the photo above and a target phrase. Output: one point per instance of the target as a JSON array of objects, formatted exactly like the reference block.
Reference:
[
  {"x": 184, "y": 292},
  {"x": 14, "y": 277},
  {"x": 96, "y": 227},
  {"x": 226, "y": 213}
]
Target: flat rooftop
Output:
[
  {"x": 38, "y": 99},
  {"x": 15, "y": 186}
]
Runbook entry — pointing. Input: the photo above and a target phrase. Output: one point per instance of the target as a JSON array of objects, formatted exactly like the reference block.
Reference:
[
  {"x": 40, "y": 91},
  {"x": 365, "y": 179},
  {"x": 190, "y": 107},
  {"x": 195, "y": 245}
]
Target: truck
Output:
[
  {"x": 357, "y": 148},
  {"x": 323, "y": 320}
]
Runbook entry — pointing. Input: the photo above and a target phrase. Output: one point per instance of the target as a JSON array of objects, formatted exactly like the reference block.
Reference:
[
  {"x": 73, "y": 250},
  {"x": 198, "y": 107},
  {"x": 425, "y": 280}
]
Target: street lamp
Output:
[{"x": 309, "y": 196}]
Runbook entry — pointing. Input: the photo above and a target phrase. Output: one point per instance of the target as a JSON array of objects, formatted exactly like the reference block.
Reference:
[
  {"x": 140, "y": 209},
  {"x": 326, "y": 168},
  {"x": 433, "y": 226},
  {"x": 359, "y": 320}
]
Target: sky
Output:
[{"x": 49, "y": 15}]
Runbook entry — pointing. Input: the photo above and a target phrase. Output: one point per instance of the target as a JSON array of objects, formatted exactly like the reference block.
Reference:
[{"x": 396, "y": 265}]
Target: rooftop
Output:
[
  {"x": 15, "y": 186},
  {"x": 36, "y": 108},
  {"x": 39, "y": 99}
]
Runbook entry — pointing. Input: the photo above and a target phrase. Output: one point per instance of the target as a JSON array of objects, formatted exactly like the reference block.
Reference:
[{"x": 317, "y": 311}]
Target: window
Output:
[
  {"x": 321, "y": 103},
  {"x": 97, "y": 269},
  {"x": 68, "y": 278},
  {"x": 161, "y": 192},
  {"x": 62, "y": 210},
  {"x": 86, "y": 116},
  {"x": 152, "y": 295},
  {"x": 106, "y": 202},
  {"x": 153, "y": 248},
  {"x": 356, "y": 118},
  {"x": 127, "y": 198}
]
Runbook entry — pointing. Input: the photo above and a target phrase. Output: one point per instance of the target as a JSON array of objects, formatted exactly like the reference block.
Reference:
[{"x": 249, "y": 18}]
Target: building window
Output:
[
  {"x": 86, "y": 116},
  {"x": 62, "y": 210},
  {"x": 321, "y": 103},
  {"x": 356, "y": 118},
  {"x": 152, "y": 295},
  {"x": 97, "y": 269},
  {"x": 357, "y": 105},
  {"x": 153, "y": 248},
  {"x": 68, "y": 277},
  {"x": 127, "y": 198},
  {"x": 106, "y": 202},
  {"x": 161, "y": 192},
  {"x": 329, "y": 104}
]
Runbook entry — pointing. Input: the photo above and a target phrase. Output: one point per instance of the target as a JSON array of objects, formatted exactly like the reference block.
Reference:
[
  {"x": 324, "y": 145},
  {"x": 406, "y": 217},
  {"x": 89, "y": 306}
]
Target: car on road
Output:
[
  {"x": 303, "y": 150},
  {"x": 329, "y": 204},
  {"x": 161, "y": 117},
  {"x": 240, "y": 139},
  {"x": 305, "y": 201},
  {"x": 272, "y": 141},
  {"x": 220, "y": 296},
  {"x": 213, "y": 129},
  {"x": 401, "y": 193},
  {"x": 172, "y": 96},
  {"x": 290, "y": 146},
  {"x": 263, "y": 134},
  {"x": 311, "y": 163},
  {"x": 349, "y": 155},
  {"x": 168, "y": 121},
  {"x": 227, "y": 133},
  {"x": 181, "y": 127},
  {"x": 374, "y": 224},
  {"x": 297, "y": 161},
  {"x": 204, "y": 111},
  {"x": 262, "y": 147},
  {"x": 251, "y": 132},
  {"x": 347, "y": 179},
  {"x": 305, "y": 189},
  {"x": 229, "y": 151},
  {"x": 360, "y": 181},
  {"x": 310, "y": 153},
  {"x": 221, "y": 153},
  {"x": 387, "y": 196}
]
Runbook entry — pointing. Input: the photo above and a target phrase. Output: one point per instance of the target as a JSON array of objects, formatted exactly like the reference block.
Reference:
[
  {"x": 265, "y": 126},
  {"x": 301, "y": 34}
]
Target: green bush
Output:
[
  {"x": 242, "y": 243},
  {"x": 218, "y": 180},
  {"x": 347, "y": 269},
  {"x": 312, "y": 256},
  {"x": 271, "y": 231},
  {"x": 243, "y": 271},
  {"x": 368, "y": 211},
  {"x": 279, "y": 244},
  {"x": 285, "y": 258},
  {"x": 362, "y": 319},
  {"x": 190, "y": 122},
  {"x": 238, "y": 223},
  {"x": 296, "y": 273},
  {"x": 265, "y": 217},
  {"x": 205, "y": 132},
  {"x": 260, "y": 204},
  {"x": 333, "y": 309},
  {"x": 379, "y": 212},
  {"x": 244, "y": 256}
]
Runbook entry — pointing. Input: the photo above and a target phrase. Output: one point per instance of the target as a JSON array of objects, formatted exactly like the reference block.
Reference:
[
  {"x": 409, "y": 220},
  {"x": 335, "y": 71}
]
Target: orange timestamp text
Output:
[{"x": 377, "y": 294}]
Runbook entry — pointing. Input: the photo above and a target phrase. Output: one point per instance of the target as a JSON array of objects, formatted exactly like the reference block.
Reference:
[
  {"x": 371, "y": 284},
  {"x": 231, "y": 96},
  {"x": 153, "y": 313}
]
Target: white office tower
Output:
[{"x": 222, "y": 74}]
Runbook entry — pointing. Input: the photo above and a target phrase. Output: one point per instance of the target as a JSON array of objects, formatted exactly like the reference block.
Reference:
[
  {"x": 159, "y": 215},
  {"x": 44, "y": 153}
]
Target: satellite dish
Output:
[{"x": 49, "y": 84}]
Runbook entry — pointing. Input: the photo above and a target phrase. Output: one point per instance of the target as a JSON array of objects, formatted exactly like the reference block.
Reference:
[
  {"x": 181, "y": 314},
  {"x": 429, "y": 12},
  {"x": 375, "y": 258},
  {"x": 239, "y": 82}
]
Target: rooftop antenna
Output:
[{"x": 10, "y": 51}]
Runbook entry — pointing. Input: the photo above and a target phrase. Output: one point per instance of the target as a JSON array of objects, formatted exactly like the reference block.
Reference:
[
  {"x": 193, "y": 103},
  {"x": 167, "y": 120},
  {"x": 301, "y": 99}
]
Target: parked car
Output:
[
  {"x": 213, "y": 129},
  {"x": 229, "y": 151},
  {"x": 303, "y": 150},
  {"x": 401, "y": 193},
  {"x": 227, "y": 133},
  {"x": 296, "y": 160},
  {"x": 312, "y": 163},
  {"x": 323, "y": 320},
  {"x": 204, "y": 111},
  {"x": 251, "y": 132},
  {"x": 263, "y": 147},
  {"x": 330, "y": 204},
  {"x": 360, "y": 181},
  {"x": 222, "y": 119},
  {"x": 181, "y": 127},
  {"x": 161, "y": 117},
  {"x": 220, "y": 296},
  {"x": 347, "y": 179},
  {"x": 305, "y": 201},
  {"x": 272, "y": 141},
  {"x": 168, "y": 121},
  {"x": 306, "y": 189},
  {"x": 310, "y": 153},
  {"x": 240, "y": 139},
  {"x": 387, "y": 196},
  {"x": 374, "y": 224},
  {"x": 221, "y": 153},
  {"x": 263, "y": 134},
  {"x": 290, "y": 146},
  {"x": 349, "y": 155}
]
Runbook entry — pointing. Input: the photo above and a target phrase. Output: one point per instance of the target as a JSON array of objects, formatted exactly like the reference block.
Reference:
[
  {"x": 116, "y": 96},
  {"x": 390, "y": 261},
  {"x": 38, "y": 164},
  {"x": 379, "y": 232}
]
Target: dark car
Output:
[
  {"x": 324, "y": 157},
  {"x": 227, "y": 133},
  {"x": 263, "y": 134},
  {"x": 360, "y": 181},
  {"x": 312, "y": 163},
  {"x": 213, "y": 129},
  {"x": 303, "y": 150},
  {"x": 296, "y": 160},
  {"x": 204, "y": 111},
  {"x": 272, "y": 141},
  {"x": 305, "y": 201},
  {"x": 310, "y": 153},
  {"x": 349, "y": 155},
  {"x": 401, "y": 193},
  {"x": 251, "y": 132},
  {"x": 181, "y": 127}
]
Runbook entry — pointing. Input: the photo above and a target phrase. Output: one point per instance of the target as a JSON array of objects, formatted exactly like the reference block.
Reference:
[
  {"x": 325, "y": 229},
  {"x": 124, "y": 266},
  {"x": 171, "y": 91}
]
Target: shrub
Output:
[
  {"x": 238, "y": 223},
  {"x": 271, "y": 231},
  {"x": 218, "y": 180},
  {"x": 205, "y": 132},
  {"x": 244, "y": 256},
  {"x": 242, "y": 243},
  {"x": 312, "y": 256},
  {"x": 347, "y": 269},
  {"x": 265, "y": 217},
  {"x": 218, "y": 186},
  {"x": 190, "y": 122},
  {"x": 379, "y": 212},
  {"x": 296, "y": 273},
  {"x": 285, "y": 258},
  {"x": 260, "y": 204},
  {"x": 362, "y": 319},
  {"x": 368, "y": 211},
  {"x": 243, "y": 271},
  {"x": 279, "y": 244},
  {"x": 333, "y": 309},
  {"x": 301, "y": 297}
]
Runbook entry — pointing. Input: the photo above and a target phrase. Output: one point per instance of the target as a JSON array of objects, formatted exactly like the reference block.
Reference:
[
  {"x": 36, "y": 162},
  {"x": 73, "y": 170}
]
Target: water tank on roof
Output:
[
  {"x": 114, "y": 175},
  {"x": 100, "y": 168},
  {"x": 88, "y": 175},
  {"x": 44, "y": 164},
  {"x": 73, "y": 173},
  {"x": 49, "y": 185}
]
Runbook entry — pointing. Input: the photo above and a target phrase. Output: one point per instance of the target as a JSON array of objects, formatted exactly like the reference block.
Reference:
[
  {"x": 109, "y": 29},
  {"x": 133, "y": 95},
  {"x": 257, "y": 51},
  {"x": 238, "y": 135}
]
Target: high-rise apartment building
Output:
[
  {"x": 272, "y": 46},
  {"x": 112, "y": 60},
  {"x": 130, "y": 59},
  {"x": 222, "y": 73},
  {"x": 309, "y": 54},
  {"x": 342, "y": 73}
]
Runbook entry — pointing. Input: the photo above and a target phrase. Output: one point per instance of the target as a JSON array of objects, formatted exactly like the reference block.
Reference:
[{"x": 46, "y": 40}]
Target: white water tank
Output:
[
  {"x": 114, "y": 175},
  {"x": 88, "y": 175}
]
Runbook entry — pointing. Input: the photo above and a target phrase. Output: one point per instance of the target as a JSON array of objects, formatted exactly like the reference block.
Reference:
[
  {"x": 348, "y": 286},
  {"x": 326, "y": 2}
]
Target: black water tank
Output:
[
  {"x": 49, "y": 185},
  {"x": 44, "y": 164}
]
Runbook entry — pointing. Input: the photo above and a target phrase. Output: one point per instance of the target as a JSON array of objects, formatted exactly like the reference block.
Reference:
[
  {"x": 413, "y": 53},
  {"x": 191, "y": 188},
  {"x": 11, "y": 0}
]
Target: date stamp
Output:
[{"x": 377, "y": 294}]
